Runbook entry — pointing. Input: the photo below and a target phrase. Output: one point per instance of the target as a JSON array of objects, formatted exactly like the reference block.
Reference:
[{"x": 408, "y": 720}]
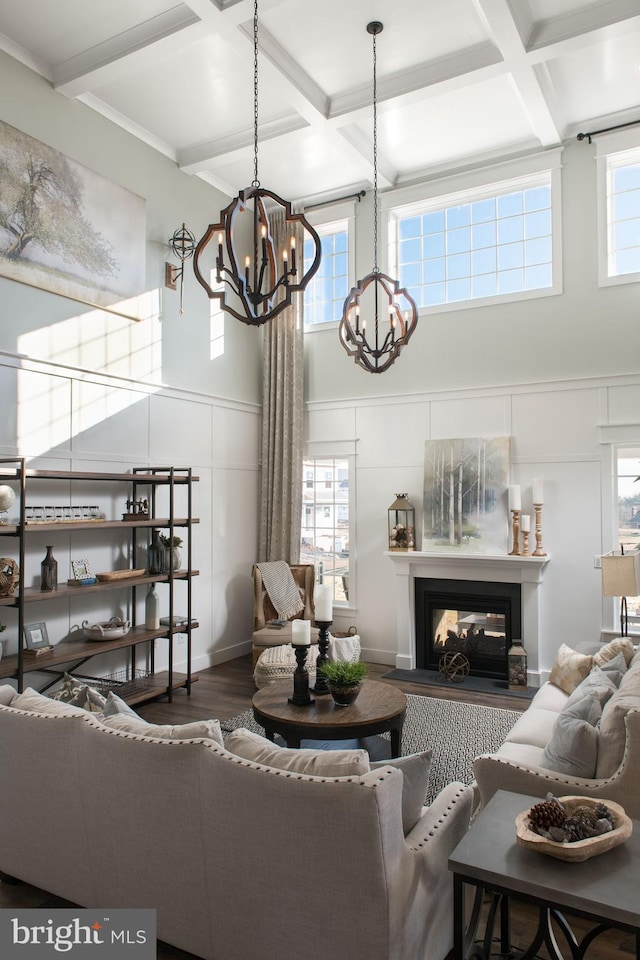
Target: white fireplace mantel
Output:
[{"x": 411, "y": 565}]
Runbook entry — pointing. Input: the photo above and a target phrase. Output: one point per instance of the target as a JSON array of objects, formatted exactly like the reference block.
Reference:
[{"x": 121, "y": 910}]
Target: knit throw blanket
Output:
[{"x": 281, "y": 588}]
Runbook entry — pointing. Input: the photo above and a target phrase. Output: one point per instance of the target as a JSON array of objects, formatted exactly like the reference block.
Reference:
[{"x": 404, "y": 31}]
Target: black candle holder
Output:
[
  {"x": 321, "y": 685},
  {"x": 301, "y": 696}
]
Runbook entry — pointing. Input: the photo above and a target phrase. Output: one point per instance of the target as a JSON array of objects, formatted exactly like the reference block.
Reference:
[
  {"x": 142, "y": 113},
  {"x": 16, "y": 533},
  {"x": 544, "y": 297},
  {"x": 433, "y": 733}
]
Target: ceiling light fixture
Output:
[
  {"x": 253, "y": 284},
  {"x": 393, "y": 311}
]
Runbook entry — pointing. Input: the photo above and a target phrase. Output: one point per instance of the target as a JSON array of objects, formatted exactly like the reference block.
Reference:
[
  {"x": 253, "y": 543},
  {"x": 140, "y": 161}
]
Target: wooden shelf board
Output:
[
  {"x": 162, "y": 479},
  {"x": 69, "y": 650},
  {"x": 57, "y": 526}
]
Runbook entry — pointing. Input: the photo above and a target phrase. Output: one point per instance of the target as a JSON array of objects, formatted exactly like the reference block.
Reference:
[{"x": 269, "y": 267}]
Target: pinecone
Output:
[
  {"x": 602, "y": 812},
  {"x": 579, "y": 828},
  {"x": 587, "y": 814},
  {"x": 548, "y": 813}
]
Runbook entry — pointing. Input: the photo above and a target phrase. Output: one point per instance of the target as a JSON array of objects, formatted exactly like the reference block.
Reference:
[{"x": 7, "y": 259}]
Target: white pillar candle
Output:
[
  {"x": 525, "y": 523},
  {"x": 537, "y": 491},
  {"x": 301, "y": 633},
  {"x": 324, "y": 603},
  {"x": 514, "y": 497}
]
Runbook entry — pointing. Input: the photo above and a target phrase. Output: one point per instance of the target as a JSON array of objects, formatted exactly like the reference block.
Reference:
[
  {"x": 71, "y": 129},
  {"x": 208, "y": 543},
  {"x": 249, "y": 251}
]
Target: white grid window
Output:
[
  {"x": 325, "y": 522},
  {"x": 623, "y": 208},
  {"x": 484, "y": 243},
  {"x": 627, "y": 495},
  {"x": 325, "y": 295}
]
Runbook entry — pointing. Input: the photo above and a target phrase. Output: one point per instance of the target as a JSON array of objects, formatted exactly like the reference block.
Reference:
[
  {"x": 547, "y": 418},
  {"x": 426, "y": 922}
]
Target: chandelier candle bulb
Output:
[
  {"x": 515, "y": 502},
  {"x": 538, "y": 491},
  {"x": 324, "y": 603},
  {"x": 301, "y": 633}
]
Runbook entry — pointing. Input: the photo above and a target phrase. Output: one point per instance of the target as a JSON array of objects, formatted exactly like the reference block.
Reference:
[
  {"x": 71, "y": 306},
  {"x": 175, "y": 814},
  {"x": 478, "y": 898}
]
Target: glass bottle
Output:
[
  {"x": 49, "y": 571},
  {"x": 152, "y": 609},
  {"x": 156, "y": 554}
]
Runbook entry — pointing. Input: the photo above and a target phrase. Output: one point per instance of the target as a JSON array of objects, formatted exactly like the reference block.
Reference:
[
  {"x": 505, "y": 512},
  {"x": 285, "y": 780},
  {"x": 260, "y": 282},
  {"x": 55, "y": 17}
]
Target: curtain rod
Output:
[
  {"x": 594, "y": 133},
  {"x": 329, "y": 203}
]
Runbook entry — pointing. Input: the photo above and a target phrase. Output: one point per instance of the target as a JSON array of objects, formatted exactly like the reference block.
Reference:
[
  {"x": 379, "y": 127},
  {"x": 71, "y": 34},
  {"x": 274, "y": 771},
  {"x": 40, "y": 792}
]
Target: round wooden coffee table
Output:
[{"x": 379, "y": 707}]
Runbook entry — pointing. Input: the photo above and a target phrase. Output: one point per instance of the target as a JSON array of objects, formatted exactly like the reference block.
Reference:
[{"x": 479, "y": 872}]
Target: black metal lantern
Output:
[
  {"x": 402, "y": 524},
  {"x": 517, "y": 666}
]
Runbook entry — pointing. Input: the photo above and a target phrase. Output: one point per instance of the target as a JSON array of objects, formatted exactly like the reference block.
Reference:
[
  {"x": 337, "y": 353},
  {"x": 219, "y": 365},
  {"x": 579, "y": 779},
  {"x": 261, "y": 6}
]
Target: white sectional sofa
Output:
[
  {"x": 241, "y": 860},
  {"x": 522, "y": 762}
]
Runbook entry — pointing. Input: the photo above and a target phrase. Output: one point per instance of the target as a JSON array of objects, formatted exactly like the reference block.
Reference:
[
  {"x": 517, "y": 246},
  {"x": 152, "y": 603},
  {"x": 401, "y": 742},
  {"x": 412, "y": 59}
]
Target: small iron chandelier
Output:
[
  {"x": 253, "y": 283},
  {"x": 393, "y": 311}
]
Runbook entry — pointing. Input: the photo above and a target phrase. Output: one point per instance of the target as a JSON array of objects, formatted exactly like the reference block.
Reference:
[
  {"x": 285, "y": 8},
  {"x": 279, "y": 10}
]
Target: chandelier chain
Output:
[
  {"x": 375, "y": 158},
  {"x": 256, "y": 182}
]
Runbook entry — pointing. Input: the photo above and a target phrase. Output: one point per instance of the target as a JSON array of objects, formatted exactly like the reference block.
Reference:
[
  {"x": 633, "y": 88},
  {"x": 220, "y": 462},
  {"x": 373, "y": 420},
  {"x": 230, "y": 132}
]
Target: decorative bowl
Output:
[
  {"x": 579, "y": 850},
  {"x": 106, "y": 630}
]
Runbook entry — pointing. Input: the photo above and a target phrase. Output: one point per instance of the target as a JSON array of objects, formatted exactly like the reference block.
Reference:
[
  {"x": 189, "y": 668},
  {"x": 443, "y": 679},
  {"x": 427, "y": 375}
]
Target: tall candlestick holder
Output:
[
  {"x": 515, "y": 549},
  {"x": 538, "y": 552},
  {"x": 301, "y": 696},
  {"x": 321, "y": 685}
]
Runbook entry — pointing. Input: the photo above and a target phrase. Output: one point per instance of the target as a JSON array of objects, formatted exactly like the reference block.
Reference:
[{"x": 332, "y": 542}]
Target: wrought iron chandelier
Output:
[
  {"x": 253, "y": 281},
  {"x": 393, "y": 312}
]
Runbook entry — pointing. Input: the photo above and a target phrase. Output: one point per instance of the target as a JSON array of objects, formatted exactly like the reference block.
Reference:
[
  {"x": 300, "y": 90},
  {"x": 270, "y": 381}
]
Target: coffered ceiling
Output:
[{"x": 459, "y": 81}]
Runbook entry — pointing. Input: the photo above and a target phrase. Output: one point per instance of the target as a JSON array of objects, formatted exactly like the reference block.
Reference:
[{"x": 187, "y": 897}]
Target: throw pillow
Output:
[
  {"x": 114, "y": 705},
  {"x": 613, "y": 732},
  {"x": 609, "y": 650},
  {"x": 415, "y": 772},
  {"x": 597, "y": 685},
  {"x": 7, "y": 694},
  {"x": 573, "y": 747},
  {"x": 316, "y": 763},
  {"x": 35, "y": 702},
  {"x": 78, "y": 693},
  {"x": 569, "y": 668},
  {"x": 210, "y": 729},
  {"x": 615, "y": 668}
]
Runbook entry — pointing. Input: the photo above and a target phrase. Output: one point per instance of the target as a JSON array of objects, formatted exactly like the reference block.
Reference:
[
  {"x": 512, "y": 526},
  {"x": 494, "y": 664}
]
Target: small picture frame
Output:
[
  {"x": 81, "y": 570},
  {"x": 36, "y": 636}
]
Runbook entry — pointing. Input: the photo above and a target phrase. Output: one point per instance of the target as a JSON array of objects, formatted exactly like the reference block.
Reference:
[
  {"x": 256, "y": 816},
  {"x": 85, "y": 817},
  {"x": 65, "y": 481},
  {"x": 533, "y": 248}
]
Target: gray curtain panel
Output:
[{"x": 282, "y": 418}]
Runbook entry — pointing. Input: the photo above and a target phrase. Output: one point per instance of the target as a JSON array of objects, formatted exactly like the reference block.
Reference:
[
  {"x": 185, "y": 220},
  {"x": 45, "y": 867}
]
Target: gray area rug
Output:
[{"x": 456, "y": 732}]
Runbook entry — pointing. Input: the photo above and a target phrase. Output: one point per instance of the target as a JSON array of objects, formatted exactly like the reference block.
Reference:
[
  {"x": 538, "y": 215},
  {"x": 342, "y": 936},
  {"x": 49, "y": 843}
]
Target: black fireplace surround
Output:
[{"x": 477, "y": 618}]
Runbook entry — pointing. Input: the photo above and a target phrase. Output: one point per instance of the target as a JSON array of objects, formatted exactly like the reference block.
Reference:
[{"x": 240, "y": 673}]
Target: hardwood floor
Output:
[{"x": 225, "y": 691}]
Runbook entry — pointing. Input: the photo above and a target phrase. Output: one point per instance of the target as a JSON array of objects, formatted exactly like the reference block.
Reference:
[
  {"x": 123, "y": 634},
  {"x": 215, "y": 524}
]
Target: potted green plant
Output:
[
  {"x": 172, "y": 552},
  {"x": 344, "y": 679}
]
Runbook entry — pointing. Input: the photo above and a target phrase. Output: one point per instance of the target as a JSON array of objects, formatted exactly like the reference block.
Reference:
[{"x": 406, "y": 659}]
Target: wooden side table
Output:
[
  {"x": 379, "y": 707},
  {"x": 603, "y": 889}
]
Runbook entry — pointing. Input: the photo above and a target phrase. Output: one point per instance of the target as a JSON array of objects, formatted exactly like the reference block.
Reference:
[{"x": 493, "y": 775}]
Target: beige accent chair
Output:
[{"x": 264, "y": 611}]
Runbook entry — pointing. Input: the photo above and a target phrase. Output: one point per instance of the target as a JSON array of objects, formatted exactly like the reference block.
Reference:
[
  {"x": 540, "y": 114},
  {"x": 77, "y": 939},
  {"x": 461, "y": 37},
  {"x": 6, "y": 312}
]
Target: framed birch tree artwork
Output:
[
  {"x": 66, "y": 229},
  {"x": 465, "y": 488}
]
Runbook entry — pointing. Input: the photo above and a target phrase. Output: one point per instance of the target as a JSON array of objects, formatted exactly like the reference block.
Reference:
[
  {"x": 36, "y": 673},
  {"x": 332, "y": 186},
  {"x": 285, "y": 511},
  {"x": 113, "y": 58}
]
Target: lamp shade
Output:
[{"x": 621, "y": 574}]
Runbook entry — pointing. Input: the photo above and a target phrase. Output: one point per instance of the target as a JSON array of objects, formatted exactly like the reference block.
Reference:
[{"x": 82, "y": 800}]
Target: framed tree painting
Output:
[
  {"x": 66, "y": 229},
  {"x": 465, "y": 486}
]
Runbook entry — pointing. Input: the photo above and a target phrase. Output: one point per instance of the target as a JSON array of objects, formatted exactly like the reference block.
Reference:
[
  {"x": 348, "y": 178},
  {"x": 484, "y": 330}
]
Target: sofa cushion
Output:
[
  {"x": 415, "y": 783},
  {"x": 573, "y": 747},
  {"x": 612, "y": 726},
  {"x": 534, "y": 726},
  {"x": 609, "y": 650},
  {"x": 78, "y": 693},
  {"x": 210, "y": 729},
  {"x": 7, "y": 694},
  {"x": 318, "y": 763},
  {"x": 36, "y": 702},
  {"x": 569, "y": 668},
  {"x": 597, "y": 685},
  {"x": 524, "y": 754},
  {"x": 549, "y": 697}
]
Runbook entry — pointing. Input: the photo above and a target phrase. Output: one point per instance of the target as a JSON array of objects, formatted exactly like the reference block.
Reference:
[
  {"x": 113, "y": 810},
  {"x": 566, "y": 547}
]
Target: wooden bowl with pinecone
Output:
[{"x": 573, "y": 828}]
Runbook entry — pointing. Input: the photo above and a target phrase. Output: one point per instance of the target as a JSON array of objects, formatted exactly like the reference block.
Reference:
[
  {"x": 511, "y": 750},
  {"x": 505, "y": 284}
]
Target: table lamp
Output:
[{"x": 621, "y": 578}]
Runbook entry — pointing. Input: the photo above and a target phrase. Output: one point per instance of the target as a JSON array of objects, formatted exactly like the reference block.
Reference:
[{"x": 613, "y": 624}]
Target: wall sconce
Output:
[{"x": 183, "y": 245}]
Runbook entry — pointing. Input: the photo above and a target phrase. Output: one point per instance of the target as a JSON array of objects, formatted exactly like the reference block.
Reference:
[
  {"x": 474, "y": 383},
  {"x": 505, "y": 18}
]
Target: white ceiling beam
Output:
[
  {"x": 237, "y": 145},
  {"x": 363, "y": 146},
  {"x": 506, "y": 32},
  {"x": 144, "y": 45},
  {"x": 584, "y": 27}
]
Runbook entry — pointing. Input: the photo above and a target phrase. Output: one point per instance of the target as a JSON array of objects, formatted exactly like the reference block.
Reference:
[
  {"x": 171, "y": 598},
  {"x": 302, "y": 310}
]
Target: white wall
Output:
[
  {"x": 90, "y": 390},
  {"x": 555, "y": 374}
]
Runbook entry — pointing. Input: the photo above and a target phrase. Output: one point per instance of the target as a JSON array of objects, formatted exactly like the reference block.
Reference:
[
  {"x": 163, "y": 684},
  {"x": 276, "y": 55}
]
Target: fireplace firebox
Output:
[{"x": 477, "y": 618}]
